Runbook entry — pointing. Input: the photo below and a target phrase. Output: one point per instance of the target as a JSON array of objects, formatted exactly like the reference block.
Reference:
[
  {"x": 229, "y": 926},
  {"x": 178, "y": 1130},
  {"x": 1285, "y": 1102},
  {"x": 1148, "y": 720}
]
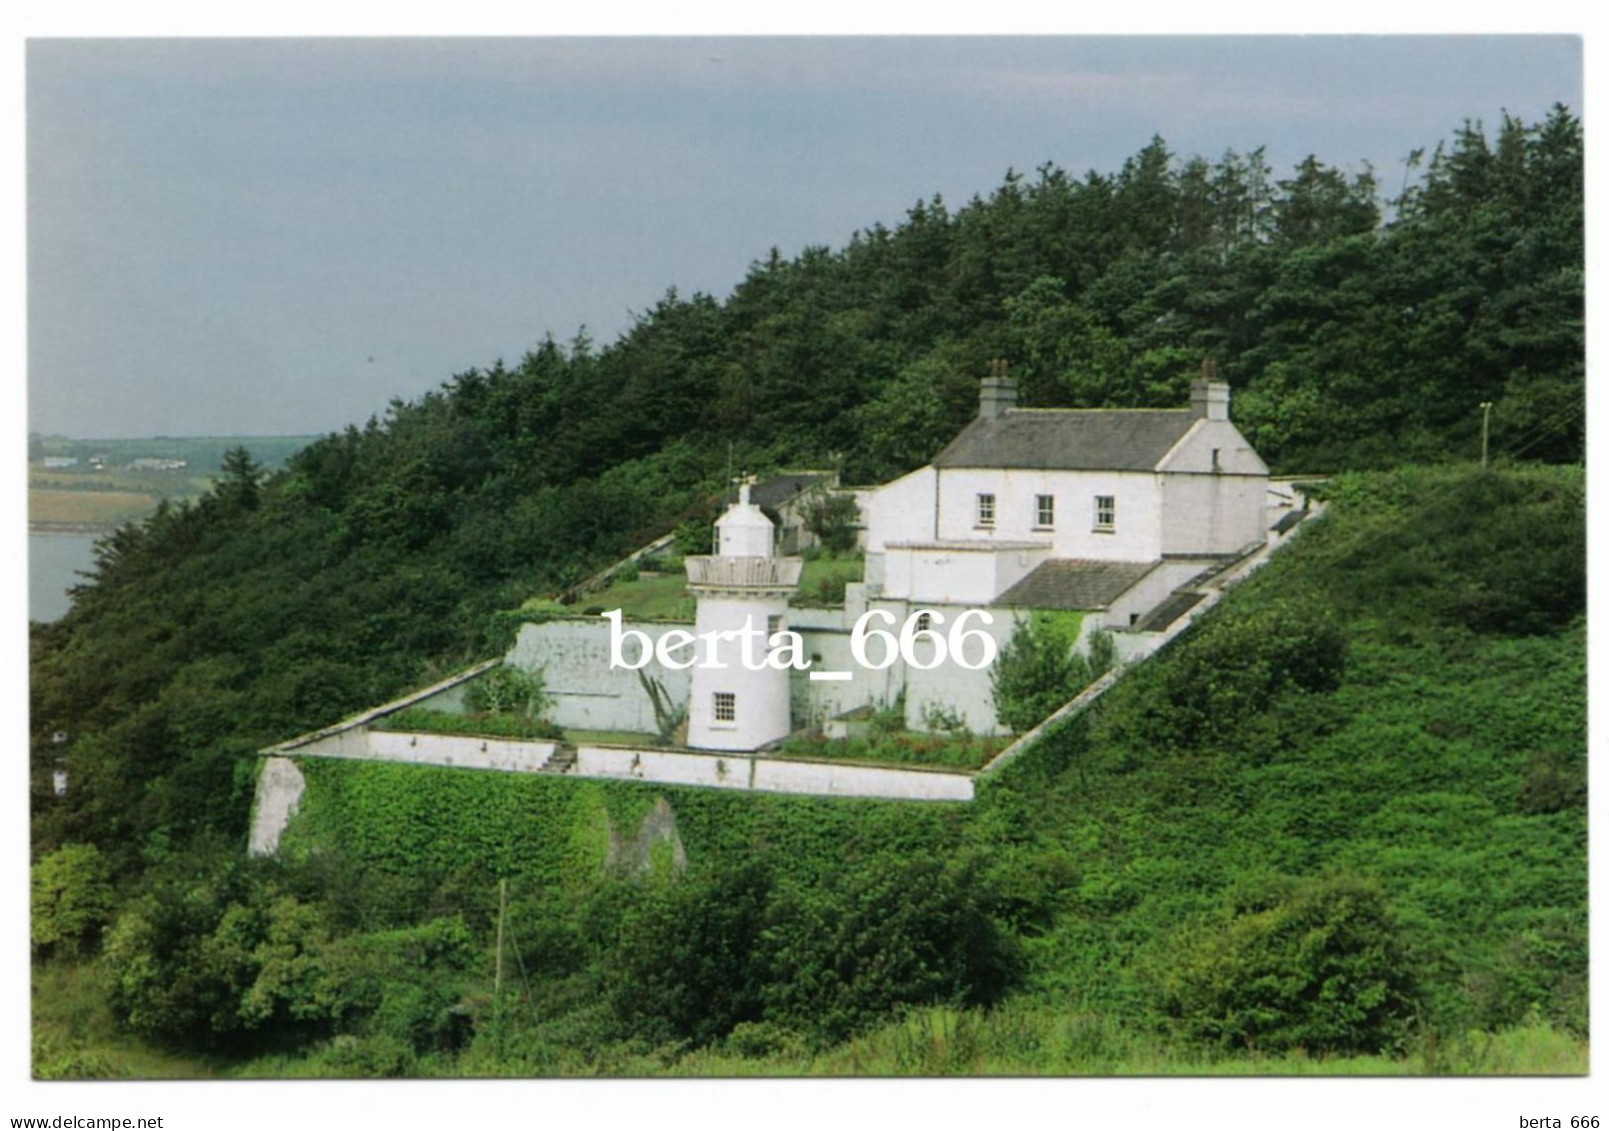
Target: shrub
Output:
[
  {"x": 71, "y": 899},
  {"x": 1311, "y": 965},
  {"x": 1037, "y": 671},
  {"x": 695, "y": 536},
  {"x": 507, "y": 690},
  {"x": 830, "y": 589},
  {"x": 892, "y": 932},
  {"x": 1234, "y": 665},
  {"x": 834, "y": 520}
]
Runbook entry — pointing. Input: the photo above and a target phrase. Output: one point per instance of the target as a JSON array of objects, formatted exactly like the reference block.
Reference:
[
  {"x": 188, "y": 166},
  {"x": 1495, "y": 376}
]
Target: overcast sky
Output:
[{"x": 279, "y": 236}]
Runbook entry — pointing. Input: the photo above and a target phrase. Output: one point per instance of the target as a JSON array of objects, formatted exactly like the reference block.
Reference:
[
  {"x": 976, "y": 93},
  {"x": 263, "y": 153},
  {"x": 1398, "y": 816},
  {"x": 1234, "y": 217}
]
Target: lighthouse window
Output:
[
  {"x": 773, "y": 625},
  {"x": 725, "y": 707}
]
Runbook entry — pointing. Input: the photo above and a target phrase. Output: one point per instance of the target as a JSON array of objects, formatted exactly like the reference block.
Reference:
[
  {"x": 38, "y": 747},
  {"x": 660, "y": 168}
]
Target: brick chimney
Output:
[
  {"x": 998, "y": 392},
  {"x": 1209, "y": 397}
]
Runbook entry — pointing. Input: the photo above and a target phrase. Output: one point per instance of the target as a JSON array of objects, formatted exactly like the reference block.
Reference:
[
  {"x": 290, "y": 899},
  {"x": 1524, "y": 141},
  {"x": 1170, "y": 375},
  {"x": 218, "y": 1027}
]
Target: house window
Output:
[
  {"x": 1106, "y": 512},
  {"x": 1045, "y": 511},
  {"x": 725, "y": 707},
  {"x": 986, "y": 510}
]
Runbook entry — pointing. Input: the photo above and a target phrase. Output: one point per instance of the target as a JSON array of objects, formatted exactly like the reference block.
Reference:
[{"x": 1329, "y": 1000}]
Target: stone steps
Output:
[{"x": 561, "y": 761}]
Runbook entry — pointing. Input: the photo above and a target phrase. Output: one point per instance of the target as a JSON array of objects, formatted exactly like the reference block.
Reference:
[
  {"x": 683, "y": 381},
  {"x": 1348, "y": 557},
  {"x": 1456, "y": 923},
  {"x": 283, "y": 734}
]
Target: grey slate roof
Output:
[
  {"x": 778, "y": 490},
  {"x": 1074, "y": 583},
  {"x": 1288, "y": 520},
  {"x": 1069, "y": 439},
  {"x": 1170, "y": 610}
]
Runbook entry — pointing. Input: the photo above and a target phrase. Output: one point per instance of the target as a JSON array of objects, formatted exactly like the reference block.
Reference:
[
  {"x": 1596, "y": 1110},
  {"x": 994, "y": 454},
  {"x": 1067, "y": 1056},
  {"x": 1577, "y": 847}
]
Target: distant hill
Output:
[{"x": 204, "y": 454}]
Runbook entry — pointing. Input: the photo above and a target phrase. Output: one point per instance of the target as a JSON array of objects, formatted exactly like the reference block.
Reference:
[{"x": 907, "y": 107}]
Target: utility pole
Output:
[
  {"x": 1486, "y": 429},
  {"x": 502, "y": 914},
  {"x": 497, "y": 978}
]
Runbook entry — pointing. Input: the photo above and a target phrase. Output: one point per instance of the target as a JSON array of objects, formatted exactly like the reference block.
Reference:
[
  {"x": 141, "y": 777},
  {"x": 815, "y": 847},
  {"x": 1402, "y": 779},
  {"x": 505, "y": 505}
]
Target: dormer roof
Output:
[{"x": 1069, "y": 439}]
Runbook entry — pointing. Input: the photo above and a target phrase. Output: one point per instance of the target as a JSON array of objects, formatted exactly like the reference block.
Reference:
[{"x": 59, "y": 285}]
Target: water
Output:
[{"x": 53, "y": 564}]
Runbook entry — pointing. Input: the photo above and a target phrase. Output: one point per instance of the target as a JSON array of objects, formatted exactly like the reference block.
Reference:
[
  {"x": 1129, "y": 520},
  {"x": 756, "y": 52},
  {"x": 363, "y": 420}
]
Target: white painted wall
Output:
[
  {"x": 900, "y": 511},
  {"x": 1213, "y": 514},
  {"x": 586, "y": 693},
  {"x": 1150, "y": 591},
  {"x": 950, "y": 687},
  {"x": 772, "y": 775},
  {"x": 520, "y": 755},
  {"x": 1136, "y": 536},
  {"x": 1194, "y": 451}
]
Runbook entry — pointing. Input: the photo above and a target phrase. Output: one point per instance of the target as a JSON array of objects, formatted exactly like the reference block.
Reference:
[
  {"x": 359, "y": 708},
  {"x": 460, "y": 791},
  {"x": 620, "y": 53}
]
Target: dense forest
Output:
[{"x": 1360, "y": 333}]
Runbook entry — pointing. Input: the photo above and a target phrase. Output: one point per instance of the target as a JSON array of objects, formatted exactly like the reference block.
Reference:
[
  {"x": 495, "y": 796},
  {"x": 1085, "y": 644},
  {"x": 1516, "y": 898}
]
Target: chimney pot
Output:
[{"x": 997, "y": 393}]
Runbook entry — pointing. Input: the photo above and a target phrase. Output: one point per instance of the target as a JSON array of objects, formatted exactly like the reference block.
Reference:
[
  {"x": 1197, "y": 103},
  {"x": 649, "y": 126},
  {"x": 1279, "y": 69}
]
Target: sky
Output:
[{"x": 258, "y": 237}]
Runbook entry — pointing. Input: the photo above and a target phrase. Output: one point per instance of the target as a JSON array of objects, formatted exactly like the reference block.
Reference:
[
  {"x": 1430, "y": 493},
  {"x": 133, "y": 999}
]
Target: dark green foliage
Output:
[
  {"x": 833, "y": 520},
  {"x": 1314, "y": 965},
  {"x": 889, "y": 933},
  {"x": 1288, "y": 641},
  {"x": 1037, "y": 671},
  {"x": 507, "y": 690},
  {"x": 686, "y": 961},
  {"x": 70, "y": 899},
  {"x": 1496, "y": 552}
]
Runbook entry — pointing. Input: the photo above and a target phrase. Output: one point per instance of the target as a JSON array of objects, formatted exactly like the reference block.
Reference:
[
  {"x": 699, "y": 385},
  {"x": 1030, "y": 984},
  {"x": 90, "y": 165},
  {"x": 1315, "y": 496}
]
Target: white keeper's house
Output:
[{"x": 1114, "y": 513}]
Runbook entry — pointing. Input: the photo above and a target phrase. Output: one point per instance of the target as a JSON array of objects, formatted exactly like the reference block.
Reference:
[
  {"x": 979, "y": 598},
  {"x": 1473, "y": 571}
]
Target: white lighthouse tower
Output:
[{"x": 736, "y": 706}]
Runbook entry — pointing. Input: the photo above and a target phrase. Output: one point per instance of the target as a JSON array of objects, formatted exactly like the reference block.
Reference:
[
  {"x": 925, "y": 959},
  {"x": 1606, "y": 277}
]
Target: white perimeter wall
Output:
[{"x": 771, "y": 775}]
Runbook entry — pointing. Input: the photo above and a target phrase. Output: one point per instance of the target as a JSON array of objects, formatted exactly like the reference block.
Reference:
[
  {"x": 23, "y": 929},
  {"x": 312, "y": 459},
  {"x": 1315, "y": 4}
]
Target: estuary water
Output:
[{"x": 54, "y": 561}]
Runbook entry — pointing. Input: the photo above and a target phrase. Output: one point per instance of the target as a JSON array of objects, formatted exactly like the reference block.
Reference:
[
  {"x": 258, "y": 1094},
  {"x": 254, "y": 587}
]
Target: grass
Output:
[
  {"x": 75, "y": 1036},
  {"x": 665, "y": 597},
  {"x": 612, "y": 737},
  {"x": 821, "y": 580},
  {"x": 486, "y": 725},
  {"x": 86, "y": 508},
  {"x": 900, "y": 748},
  {"x": 662, "y": 598},
  {"x": 1031, "y": 1039}
]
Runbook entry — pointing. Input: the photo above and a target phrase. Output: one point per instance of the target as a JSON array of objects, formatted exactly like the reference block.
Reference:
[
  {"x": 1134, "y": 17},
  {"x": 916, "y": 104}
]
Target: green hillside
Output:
[
  {"x": 1344, "y": 818},
  {"x": 1340, "y": 826}
]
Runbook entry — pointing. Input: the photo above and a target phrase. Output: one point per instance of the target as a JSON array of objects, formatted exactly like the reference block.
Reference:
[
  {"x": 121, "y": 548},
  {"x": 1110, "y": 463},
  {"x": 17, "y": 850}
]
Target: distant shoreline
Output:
[{"x": 72, "y": 527}]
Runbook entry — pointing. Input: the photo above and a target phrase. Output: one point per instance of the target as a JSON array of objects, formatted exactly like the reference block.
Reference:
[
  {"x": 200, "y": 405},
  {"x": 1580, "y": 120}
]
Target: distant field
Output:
[
  {"x": 86, "y": 508},
  {"x": 204, "y": 453},
  {"x": 82, "y": 496}
]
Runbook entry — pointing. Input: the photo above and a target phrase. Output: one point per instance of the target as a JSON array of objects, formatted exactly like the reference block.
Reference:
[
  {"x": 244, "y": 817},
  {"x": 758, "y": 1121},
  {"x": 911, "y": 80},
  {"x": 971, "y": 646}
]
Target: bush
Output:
[
  {"x": 1311, "y": 965},
  {"x": 1037, "y": 671},
  {"x": 892, "y": 932},
  {"x": 834, "y": 520},
  {"x": 507, "y": 690},
  {"x": 1234, "y": 665},
  {"x": 71, "y": 899},
  {"x": 683, "y": 964},
  {"x": 695, "y": 536}
]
